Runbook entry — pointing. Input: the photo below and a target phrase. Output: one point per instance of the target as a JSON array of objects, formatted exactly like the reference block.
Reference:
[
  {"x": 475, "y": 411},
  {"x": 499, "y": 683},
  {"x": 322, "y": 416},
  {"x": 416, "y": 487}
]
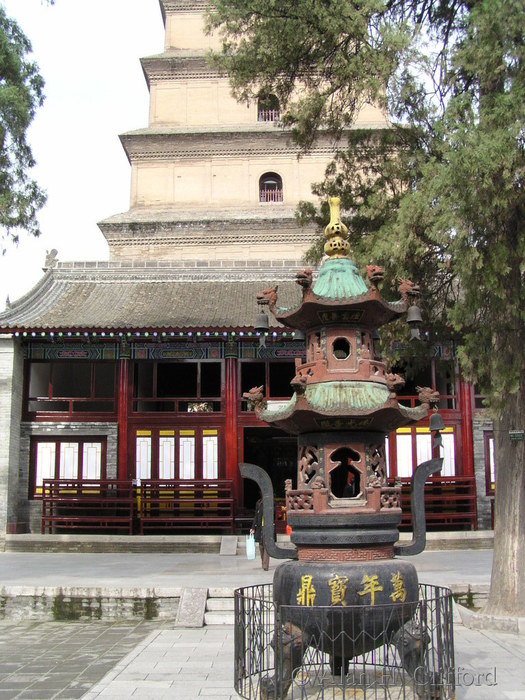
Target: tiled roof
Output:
[{"x": 116, "y": 298}]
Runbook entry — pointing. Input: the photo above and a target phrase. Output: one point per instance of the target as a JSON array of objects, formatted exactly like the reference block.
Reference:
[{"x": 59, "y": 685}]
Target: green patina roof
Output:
[
  {"x": 339, "y": 278},
  {"x": 343, "y": 398},
  {"x": 334, "y": 397}
]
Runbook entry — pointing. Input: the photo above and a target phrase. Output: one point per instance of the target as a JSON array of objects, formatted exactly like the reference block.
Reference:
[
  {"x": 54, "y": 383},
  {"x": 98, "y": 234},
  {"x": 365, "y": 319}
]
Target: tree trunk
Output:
[{"x": 507, "y": 586}]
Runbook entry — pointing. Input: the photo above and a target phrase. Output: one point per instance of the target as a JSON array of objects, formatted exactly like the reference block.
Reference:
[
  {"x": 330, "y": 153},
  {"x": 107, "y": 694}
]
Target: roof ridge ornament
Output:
[
  {"x": 51, "y": 259},
  {"x": 336, "y": 232}
]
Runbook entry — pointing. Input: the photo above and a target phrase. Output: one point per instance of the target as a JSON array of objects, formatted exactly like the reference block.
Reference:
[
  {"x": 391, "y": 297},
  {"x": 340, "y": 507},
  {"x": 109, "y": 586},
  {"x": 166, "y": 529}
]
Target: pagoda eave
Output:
[
  {"x": 300, "y": 416},
  {"x": 369, "y": 310}
]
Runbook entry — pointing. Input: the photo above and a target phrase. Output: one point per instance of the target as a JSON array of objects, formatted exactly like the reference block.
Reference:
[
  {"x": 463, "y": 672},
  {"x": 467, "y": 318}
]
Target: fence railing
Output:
[
  {"x": 73, "y": 504},
  {"x": 294, "y": 652},
  {"x": 450, "y": 503},
  {"x": 122, "y": 505},
  {"x": 186, "y": 503}
]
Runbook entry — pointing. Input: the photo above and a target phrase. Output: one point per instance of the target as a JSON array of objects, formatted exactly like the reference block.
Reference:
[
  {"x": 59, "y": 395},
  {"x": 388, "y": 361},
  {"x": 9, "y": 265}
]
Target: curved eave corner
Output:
[{"x": 270, "y": 415}]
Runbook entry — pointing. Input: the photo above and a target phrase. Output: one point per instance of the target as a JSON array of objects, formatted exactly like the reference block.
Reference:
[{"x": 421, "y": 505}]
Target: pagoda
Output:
[{"x": 344, "y": 516}]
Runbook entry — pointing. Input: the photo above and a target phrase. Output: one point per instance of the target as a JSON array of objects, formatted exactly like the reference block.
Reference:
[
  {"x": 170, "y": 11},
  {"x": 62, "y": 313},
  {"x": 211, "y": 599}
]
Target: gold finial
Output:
[{"x": 336, "y": 232}]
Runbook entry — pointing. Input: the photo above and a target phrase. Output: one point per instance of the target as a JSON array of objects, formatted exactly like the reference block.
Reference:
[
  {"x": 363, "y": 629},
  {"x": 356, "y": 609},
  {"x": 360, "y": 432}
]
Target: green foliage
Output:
[
  {"x": 274, "y": 45},
  {"x": 438, "y": 197},
  {"x": 21, "y": 93}
]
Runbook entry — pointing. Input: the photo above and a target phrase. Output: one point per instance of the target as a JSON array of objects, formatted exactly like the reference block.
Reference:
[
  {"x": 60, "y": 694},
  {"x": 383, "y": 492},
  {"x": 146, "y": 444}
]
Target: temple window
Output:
[
  {"x": 270, "y": 188},
  {"x": 414, "y": 445},
  {"x": 177, "y": 453},
  {"x": 193, "y": 387},
  {"x": 490, "y": 464},
  {"x": 273, "y": 376},
  {"x": 268, "y": 108},
  {"x": 66, "y": 458},
  {"x": 71, "y": 387},
  {"x": 490, "y": 471},
  {"x": 439, "y": 374}
]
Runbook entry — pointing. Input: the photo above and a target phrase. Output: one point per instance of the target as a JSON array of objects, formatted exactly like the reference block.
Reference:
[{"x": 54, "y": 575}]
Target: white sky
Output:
[{"x": 88, "y": 52}]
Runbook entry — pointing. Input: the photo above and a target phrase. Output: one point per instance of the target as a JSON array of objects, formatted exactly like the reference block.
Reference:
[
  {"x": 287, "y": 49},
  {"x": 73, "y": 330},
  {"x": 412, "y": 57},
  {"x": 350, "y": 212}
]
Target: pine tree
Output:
[
  {"x": 21, "y": 93},
  {"x": 439, "y": 196}
]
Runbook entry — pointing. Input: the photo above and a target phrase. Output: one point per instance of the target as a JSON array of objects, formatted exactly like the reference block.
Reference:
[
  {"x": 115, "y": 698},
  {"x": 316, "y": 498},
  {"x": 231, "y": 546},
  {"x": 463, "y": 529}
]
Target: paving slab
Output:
[{"x": 192, "y": 607}]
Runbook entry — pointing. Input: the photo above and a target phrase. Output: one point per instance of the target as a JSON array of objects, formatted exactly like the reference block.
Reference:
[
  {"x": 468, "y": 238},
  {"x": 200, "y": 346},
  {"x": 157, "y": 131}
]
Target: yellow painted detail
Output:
[
  {"x": 427, "y": 430},
  {"x": 306, "y": 594},
  {"x": 371, "y": 585}
]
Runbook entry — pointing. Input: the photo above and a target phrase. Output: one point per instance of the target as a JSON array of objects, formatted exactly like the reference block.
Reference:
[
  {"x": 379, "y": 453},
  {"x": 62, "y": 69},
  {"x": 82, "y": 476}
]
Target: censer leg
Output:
[{"x": 288, "y": 660}]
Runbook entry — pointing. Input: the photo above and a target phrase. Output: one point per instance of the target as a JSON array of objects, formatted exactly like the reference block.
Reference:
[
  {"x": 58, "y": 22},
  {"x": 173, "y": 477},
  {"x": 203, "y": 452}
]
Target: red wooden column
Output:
[
  {"x": 122, "y": 419},
  {"x": 467, "y": 442},
  {"x": 231, "y": 425}
]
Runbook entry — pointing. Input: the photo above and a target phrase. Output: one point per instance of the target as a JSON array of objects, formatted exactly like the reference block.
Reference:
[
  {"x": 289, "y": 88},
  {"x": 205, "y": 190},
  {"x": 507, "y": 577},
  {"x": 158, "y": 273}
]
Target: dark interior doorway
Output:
[
  {"x": 276, "y": 453},
  {"x": 345, "y": 479}
]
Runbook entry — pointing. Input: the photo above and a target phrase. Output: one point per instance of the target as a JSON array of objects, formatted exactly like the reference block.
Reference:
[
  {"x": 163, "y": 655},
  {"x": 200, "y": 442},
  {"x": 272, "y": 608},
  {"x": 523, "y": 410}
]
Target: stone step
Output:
[
  {"x": 206, "y": 544},
  {"x": 220, "y": 607},
  {"x": 229, "y": 545},
  {"x": 220, "y": 604},
  {"x": 219, "y": 618}
]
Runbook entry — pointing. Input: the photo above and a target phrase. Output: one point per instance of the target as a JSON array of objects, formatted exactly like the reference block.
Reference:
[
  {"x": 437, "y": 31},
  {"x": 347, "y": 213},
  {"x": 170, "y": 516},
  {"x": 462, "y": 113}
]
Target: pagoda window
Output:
[
  {"x": 194, "y": 387},
  {"x": 341, "y": 349},
  {"x": 345, "y": 478},
  {"x": 445, "y": 383},
  {"x": 71, "y": 387},
  {"x": 66, "y": 458},
  {"x": 268, "y": 109},
  {"x": 270, "y": 188}
]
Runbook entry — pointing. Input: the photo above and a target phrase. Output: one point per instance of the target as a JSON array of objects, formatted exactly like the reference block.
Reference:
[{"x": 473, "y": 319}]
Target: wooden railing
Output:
[
  {"x": 450, "y": 503},
  {"x": 267, "y": 195},
  {"x": 187, "y": 504},
  {"x": 87, "y": 504}
]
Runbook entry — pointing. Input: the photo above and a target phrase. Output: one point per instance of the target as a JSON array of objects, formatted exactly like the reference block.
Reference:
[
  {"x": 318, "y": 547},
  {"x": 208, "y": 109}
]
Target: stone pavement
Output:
[
  {"x": 137, "y": 659},
  {"x": 163, "y": 570},
  {"x": 181, "y": 663},
  {"x": 191, "y": 664},
  {"x": 63, "y": 659}
]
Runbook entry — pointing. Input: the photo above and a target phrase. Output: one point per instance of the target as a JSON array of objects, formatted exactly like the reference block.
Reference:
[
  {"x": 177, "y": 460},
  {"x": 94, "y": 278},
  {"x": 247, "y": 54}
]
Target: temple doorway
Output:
[{"x": 276, "y": 453}]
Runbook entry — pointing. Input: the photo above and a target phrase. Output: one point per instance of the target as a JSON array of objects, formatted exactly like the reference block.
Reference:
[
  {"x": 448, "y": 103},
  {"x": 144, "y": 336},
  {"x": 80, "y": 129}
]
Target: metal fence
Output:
[{"x": 396, "y": 651}]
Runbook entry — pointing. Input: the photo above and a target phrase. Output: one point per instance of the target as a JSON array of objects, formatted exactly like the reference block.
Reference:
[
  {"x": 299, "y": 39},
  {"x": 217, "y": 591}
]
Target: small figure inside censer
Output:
[
  {"x": 345, "y": 478},
  {"x": 351, "y": 490}
]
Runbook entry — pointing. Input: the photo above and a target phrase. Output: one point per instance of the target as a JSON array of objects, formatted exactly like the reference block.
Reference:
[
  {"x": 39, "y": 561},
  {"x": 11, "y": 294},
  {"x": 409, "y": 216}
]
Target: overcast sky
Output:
[{"x": 88, "y": 52}]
